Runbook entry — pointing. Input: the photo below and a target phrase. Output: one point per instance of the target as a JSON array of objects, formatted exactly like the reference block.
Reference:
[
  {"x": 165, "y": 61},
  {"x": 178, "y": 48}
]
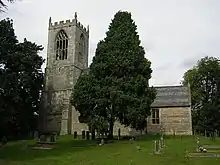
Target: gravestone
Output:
[
  {"x": 212, "y": 146},
  {"x": 119, "y": 134},
  {"x": 52, "y": 138},
  {"x": 4, "y": 140},
  {"x": 174, "y": 134},
  {"x": 213, "y": 136},
  {"x": 87, "y": 135},
  {"x": 102, "y": 142},
  {"x": 156, "y": 147},
  {"x": 24, "y": 144},
  {"x": 198, "y": 144},
  {"x": 216, "y": 133},
  {"x": 159, "y": 144},
  {"x": 93, "y": 135},
  {"x": 205, "y": 134},
  {"x": 35, "y": 134},
  {"x": 203, "y": 155},
  {"x": 162, "y": 142},
  {"x": 138, "y": 147},
  {"x": 75, "y": 135},
  {"x": 83, "y": 134},
  {"x": 43, "y": 138}
]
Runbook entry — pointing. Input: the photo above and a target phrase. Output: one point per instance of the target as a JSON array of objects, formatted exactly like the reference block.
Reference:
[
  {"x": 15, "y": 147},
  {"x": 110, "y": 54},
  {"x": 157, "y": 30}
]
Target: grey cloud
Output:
[
  {"x": 165, "y": 66},
  {"x": 192, "y": 61},
  {"x": 188, "y": 63}
]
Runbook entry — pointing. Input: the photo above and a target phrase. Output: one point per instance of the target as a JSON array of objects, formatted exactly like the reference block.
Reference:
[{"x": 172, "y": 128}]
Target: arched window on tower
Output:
[
  {"x": 61, "y": 45},
  {"x": 81, "y": 48}
]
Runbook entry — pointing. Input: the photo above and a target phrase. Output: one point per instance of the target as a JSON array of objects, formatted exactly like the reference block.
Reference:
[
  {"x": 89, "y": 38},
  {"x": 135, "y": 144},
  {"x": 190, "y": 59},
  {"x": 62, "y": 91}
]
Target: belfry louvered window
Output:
[
  {"x": 81, "y": 48},
  {"x": 61, "y": 45}
]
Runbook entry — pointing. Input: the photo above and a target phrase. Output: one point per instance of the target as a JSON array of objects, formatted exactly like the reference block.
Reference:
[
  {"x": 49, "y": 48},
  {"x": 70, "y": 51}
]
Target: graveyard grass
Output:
[{"x": 124, "y": 152}]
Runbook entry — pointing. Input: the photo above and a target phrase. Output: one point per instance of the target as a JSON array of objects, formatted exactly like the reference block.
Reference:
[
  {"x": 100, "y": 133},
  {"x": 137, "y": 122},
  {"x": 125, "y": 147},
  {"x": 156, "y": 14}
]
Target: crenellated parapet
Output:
[{"x": 67, "y": 23}]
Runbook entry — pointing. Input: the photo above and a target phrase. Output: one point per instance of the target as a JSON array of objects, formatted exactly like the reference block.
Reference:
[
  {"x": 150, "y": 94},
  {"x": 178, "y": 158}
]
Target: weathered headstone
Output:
[
  {"x": 138, "y": 147},
  {"x": 93, "y": 135},
  {"x": 162, "y": 142},
  {"x": 216, "y": 133},
  {"x": 174, "y": 133},
  {"x": 43, "y": 138},
  {"x": 102, "y": 142},
  {"x": 87, "y": 135},
  {"x": 52, "y": 138},
  {"x": 203, "y": 155},
  {"x": 212, "y": 136},
  {"x": 159, "y": 144},
  {"x": 4, "y": 140},
  {"x": 83, "y": 134},
  {"x": 24, "y": 144},
  {"x": 75, "y": 135},
  {"x": 119, "y": 134},
  {"x": 35, "y": 134},
  {"x": 194, "y": 134},
  {"x": 156, "y": 147},
  {"x": 198, "y": 144}
]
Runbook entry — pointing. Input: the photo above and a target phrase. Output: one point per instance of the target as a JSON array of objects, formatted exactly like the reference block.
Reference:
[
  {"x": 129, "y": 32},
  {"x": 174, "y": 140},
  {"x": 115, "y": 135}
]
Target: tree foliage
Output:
[
  {"x": 21, "y": 80},
  {"x": 116, "y": 87},
  {"x": 3, "y": 5},
  {"x": 204, "y": 79}
]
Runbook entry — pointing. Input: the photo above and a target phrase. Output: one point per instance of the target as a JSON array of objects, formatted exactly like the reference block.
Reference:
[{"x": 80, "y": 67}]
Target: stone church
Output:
[{"x": 67, "y": 58}]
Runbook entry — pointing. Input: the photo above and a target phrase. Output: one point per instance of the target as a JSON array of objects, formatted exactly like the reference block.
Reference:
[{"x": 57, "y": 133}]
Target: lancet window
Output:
[{"x": 61, "y": 45}]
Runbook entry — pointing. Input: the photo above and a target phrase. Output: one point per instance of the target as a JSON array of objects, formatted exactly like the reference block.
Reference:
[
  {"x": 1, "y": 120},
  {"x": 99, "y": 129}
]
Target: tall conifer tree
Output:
[{"x": 120, "y": 78}]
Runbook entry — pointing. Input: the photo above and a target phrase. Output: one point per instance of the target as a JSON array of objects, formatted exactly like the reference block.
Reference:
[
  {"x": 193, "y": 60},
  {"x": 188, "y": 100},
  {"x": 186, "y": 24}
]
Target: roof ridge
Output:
[{"x": 169, "y": 86}]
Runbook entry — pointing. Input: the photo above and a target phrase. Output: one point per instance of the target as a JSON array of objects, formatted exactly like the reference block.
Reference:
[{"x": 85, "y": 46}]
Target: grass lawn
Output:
[{"x": 82, "y": 152}]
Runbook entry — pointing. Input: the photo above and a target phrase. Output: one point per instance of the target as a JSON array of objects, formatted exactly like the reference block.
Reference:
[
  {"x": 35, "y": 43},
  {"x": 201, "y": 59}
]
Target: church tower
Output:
[{"x": 67, "y": 57}]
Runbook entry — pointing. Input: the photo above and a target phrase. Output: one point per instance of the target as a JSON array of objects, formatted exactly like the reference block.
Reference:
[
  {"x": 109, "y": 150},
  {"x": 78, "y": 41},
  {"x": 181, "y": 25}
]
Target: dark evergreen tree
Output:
[
  {"x": 21, "y": 80},
  {"x": 117, "y": 85}
]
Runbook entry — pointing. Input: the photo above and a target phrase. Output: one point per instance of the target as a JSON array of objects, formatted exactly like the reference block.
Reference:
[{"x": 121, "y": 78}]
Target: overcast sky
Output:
[{"x": 174, "y": 33}]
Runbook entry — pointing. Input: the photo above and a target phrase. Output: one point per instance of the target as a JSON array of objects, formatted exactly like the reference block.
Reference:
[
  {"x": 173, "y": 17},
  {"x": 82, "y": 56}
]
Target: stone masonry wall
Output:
[
  {"x": 176, "y": 119},
  {"x": 172, "y": 120}
]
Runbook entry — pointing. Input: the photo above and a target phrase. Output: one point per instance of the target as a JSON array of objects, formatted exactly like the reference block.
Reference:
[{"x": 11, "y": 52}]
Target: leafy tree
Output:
[
  {"x": 117, "y": 87},
  {"x": 204, "y": 79},
  {"x": 7, "y": 47},
  {"x": 3, "y": 5},
  {"x": 21, "y": 80}
]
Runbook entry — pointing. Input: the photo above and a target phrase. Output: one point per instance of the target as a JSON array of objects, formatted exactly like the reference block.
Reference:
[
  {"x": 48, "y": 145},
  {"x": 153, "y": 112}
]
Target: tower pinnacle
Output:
[
  {"x": 50, "y": 20},
  {"x": 75, "y": 15}
]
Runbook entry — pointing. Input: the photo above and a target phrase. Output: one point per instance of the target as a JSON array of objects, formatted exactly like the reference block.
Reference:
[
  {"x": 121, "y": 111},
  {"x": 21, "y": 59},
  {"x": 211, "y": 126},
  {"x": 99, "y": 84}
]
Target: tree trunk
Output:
[{"x": 111, "y": 127}]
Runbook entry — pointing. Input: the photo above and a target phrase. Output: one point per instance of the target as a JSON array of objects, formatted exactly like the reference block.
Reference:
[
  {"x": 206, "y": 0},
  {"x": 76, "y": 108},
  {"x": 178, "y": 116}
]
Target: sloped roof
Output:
[{"x": 172, "y": 96}]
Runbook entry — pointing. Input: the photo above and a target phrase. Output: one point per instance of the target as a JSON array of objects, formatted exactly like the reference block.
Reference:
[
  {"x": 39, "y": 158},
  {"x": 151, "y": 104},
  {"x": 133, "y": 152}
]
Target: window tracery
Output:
[{"x": 61, "y": 45}]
